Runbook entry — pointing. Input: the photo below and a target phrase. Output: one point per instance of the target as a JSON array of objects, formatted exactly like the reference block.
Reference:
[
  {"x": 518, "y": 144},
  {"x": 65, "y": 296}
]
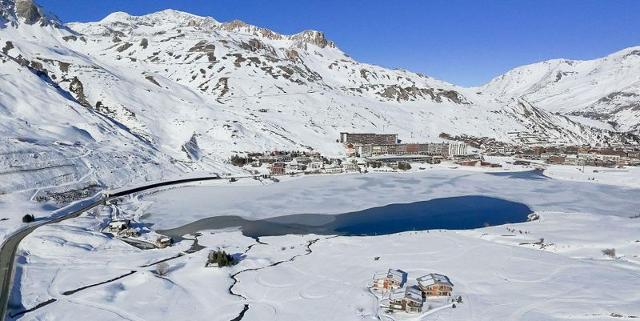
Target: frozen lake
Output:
[
  {"x": 453, "y": 213},
  {"x": 339, "y": 194}
]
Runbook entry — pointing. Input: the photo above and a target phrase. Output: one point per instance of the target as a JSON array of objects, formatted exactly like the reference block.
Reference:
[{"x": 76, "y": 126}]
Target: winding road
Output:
[{"x": 10, "y": 245}]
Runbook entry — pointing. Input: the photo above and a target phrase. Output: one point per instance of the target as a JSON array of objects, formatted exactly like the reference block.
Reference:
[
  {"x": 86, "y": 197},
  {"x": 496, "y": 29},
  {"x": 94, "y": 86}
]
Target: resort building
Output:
[
  {"x": 390, "y": 280},
  {"x": 351, "y": 167},
  {"x": 408, "y": 300},
  {"x": 435, "y": 285},
  {"x": 277, "y": 169},
  {"x": 428, "y": 149},
  {"x": 457, "y": 149},
  {"x": 368, "y": 138},
  {"x": 332, "y": 169},
  {"x": 315, "y": 166}
]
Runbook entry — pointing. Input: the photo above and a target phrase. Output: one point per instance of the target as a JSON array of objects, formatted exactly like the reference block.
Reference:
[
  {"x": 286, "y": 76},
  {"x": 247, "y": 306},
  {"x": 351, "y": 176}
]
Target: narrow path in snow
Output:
[
  {"x": 70, "y": 292},
  {"x": 163, "y": 260}
]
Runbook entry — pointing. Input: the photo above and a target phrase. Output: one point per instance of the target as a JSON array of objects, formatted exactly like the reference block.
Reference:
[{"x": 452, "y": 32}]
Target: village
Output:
[{"x": 365, "y": 152}]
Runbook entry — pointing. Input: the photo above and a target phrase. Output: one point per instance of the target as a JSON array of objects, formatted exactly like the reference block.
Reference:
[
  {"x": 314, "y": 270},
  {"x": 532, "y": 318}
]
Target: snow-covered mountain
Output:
[
  {"x": 133, "y": 98},
  {"x": 604, "y": 92}
]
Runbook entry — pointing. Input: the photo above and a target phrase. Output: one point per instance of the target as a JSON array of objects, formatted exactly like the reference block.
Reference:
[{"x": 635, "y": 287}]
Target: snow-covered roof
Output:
[
  {"x": 397, "y": 275},
  {"x": 413, "y": 293},
  {"x": 434, "y": 278},
  {"x": 397, "y": 295},
  {"x": 119, "y": 223}
]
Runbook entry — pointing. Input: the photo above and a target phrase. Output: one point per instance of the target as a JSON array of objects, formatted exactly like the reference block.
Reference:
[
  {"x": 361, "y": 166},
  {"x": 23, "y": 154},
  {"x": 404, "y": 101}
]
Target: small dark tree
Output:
[
  {"x": 220, "y": 258},
  {"x": 28, "y": 218},
  {"x": 404, "y": 166},
  {"x": 609, "y": 252}
]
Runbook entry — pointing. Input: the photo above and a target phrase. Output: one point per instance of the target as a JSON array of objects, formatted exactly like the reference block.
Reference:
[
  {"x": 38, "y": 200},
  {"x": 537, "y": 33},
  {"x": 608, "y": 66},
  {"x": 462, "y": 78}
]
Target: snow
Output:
[
  {"x": 497, "y": 277},
  {"x": 629, "y": 176},
  {"x": 607, "y": 87},
  {"x": 335, "y": 194},
  {"x": 174, "y": 108},
  {"x": 209, "y": 84}
]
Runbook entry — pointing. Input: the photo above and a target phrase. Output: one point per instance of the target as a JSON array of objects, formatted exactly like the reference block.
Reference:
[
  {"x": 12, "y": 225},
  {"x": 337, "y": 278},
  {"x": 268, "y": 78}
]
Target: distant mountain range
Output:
[
  {"x": 603, "y": 92},
  {"x": 134, "y": 98}
]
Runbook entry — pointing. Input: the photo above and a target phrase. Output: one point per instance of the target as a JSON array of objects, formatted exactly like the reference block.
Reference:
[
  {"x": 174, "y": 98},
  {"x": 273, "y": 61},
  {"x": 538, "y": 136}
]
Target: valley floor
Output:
[
  {"x": 550, "y": 269},
  {"x": 500, "y": 273}
]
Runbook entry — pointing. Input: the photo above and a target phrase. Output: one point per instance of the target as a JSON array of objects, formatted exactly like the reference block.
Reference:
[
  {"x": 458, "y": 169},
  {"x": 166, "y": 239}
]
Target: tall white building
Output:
[{"x": 457, "y": 149}]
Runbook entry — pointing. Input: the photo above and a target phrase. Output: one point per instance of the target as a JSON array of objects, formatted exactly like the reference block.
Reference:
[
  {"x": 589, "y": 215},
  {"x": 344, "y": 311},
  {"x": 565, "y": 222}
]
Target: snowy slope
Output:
[
  {"x": 129, "y": 99},
  {"x": 605, "y": 89}
]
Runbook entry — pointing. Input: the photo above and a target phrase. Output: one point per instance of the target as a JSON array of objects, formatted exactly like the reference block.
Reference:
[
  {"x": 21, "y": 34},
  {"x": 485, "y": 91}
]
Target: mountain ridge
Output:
[
  {"x": 604, "y": 89},
  {"x": 111, "y": 102}
]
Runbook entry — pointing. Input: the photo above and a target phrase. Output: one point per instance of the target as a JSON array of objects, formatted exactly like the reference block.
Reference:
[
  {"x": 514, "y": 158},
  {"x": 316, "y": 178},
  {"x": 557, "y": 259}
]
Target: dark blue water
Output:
[{"x": 454, "y": 213}]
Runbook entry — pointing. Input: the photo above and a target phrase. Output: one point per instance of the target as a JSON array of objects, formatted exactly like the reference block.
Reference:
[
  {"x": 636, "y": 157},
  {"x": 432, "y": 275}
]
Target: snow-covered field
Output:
[
  {"x": 629, "y": 176},
  {"x": 502, "y": 272},
  {"x": 497, "y": 278}
]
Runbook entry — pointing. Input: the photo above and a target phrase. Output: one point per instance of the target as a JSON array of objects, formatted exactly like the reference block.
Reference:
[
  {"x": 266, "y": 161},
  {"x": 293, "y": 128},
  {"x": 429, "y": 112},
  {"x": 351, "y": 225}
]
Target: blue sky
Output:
[{"x": 461, "y": 41}]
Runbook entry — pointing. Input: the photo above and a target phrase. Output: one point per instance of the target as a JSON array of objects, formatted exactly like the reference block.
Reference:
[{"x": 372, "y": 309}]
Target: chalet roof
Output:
[
  {"x": 397, "y": 275},
  {"x": 434, "y": 278},
  {"x": 119, "y": 223},
  {"x": 397, "y": 295},
  {"x": 413, "y": 293}
]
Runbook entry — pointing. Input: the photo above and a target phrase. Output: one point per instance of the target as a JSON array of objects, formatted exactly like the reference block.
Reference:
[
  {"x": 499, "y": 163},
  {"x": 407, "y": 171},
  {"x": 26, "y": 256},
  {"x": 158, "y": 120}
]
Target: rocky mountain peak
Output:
[
  {"x": 314, "y": 37},
  {"x": 243, "y": 27},
  {"x": 305, "y": 37},
  {"x": 26, "y": 11}
]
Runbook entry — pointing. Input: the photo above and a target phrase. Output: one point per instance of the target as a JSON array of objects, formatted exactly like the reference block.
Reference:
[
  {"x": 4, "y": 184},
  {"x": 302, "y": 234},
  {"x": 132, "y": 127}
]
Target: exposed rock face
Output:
[
  {"x": 205, "y": 47},
  {"x": 192, "y": 149},
  {"x": 77, "y": 88},
  {"x": 412, "y": 93},
  {"x": 314, "y": 37},
  {"x": 243, "y": 27},
  {"x": 25, "y": 11},
  {"x": 28, "y": 11}
]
